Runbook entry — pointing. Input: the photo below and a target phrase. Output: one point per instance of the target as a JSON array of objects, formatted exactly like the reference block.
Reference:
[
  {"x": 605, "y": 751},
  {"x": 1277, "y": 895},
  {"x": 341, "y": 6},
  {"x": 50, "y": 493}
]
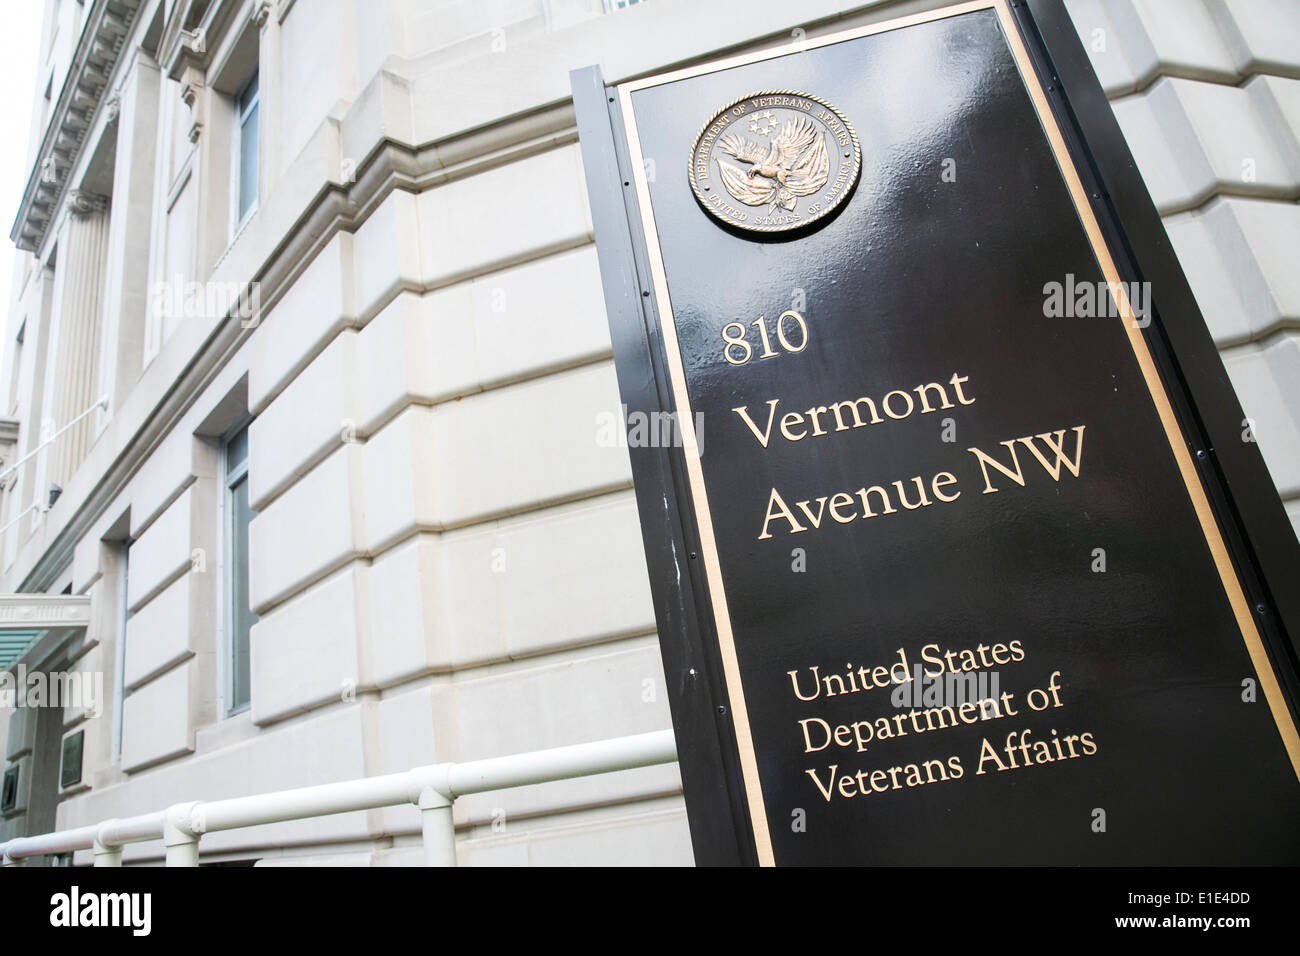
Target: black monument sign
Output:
[{"x": 940, "y": 576}]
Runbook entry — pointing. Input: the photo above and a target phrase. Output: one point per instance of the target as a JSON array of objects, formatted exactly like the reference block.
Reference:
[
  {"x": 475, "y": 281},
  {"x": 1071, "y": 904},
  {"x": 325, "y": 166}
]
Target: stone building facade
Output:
[{"x": 307, "y": 365}]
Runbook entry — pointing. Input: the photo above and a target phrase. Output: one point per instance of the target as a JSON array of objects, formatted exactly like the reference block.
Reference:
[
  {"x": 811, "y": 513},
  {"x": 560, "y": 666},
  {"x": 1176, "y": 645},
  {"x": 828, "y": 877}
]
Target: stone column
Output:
[
  {"x": 126, "y": 295},
  {"x": 41, "y": 339},
  {"x": 267, "y": 20},
  {"x": 74, "y": 386}
]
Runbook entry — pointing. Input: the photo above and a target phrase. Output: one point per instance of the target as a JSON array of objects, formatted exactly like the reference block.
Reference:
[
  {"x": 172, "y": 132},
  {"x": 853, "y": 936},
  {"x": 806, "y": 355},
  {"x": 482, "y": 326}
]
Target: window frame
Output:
[
  {"x": 240, "y": 112},
  {"x": 124, "y": 615},
  {"x": 231, "y": 477},
  {"x": 16, "y": 368}
]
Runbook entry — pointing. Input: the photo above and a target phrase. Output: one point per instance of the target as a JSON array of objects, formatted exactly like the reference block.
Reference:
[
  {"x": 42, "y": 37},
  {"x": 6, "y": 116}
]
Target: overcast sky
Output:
[{"x": 19, "y": 41}]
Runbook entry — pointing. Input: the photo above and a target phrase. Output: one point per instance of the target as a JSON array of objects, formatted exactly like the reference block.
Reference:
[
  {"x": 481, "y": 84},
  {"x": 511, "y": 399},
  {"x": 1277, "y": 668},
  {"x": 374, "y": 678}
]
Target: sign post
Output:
[{"x": 946, "y": 568}]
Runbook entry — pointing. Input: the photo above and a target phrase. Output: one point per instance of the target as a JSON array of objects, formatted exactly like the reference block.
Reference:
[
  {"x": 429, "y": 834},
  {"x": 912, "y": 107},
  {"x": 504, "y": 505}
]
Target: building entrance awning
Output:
[{"x": 25, "y": 619}]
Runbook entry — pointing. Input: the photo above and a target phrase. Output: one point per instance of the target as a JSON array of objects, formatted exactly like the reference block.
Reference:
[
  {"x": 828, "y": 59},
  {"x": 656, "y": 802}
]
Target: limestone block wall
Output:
[
  {"x": 446, "y": 560},
  {"x": 437, "y": 524}
]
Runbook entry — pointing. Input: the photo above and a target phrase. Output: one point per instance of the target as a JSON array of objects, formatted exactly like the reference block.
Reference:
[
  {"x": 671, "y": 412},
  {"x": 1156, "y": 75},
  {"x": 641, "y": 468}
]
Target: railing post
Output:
[
  {"x": 106, "y": 854},
  {"x": 179, "y": 837},
  {"x": 438, "y": 829}
]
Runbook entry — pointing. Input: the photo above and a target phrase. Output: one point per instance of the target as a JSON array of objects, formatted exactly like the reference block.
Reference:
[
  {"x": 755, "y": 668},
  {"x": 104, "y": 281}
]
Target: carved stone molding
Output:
[
  {"x": 25, "y": 611},
  {"x": 196, "y": 41},
  {"x": 192, "y": 82},
  {"x": 97, "y": 51},
  {"x": 112, "y": 108},
  {"x": 83, "y": 203},
  {"x": 261, "y": 13}
]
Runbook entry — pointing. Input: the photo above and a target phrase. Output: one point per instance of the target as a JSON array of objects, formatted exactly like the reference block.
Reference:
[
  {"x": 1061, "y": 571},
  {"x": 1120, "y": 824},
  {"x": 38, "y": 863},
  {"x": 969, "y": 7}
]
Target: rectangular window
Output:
[
  {"x": 16, "y": 367},
  {"x": 246, "y": 152},
  {"x": 119, "y": 654},
  {"x": 239, "y": 515}
]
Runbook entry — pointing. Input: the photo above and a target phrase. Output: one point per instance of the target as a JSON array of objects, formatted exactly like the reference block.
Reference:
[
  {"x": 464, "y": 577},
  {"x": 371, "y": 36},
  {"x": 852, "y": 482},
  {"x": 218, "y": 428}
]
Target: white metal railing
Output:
[
  {"x": 34, "y": 506},
  {"x": 54, "y": 436},
  {"x": 432, "y": 788}
]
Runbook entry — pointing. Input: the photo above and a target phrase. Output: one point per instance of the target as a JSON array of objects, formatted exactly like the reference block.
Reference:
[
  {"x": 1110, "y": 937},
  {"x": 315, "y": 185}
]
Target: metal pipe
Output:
[
  {"x": 106, "y": 854},
  {"x": 437, "y": 828},
  {"x": 368, "y": 793},
  {"x": 34, "y": 506},
  {"x": 181, "y": 840},
  {"x": 102, "y": 403},
  {"x": 560, "y": 763},
  {"x": 147, "y": 826},
  {"x": 183, "y": 853},
  {"x": 432, "y": 788},
  {"x": 61, "y": 841}
]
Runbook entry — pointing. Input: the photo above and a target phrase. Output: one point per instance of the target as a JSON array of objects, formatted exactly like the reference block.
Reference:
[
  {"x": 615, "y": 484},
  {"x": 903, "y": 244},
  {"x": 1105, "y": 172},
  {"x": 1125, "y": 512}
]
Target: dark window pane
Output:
[
  {"x": 247, "y": 161},
  {"x": 236, "y": 452},
  {"x": 248, "y": 95},
  {"x": 242, "y": 619}
]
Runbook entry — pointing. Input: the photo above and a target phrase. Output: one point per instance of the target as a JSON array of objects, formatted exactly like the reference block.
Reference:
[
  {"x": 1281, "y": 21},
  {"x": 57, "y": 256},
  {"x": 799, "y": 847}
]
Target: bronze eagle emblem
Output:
[{"x": 794, "y": 164}]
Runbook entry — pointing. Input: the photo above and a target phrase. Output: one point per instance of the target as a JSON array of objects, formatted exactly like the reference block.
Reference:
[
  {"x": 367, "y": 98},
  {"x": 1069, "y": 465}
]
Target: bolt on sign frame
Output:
[{"x": 1200, "y": 606}]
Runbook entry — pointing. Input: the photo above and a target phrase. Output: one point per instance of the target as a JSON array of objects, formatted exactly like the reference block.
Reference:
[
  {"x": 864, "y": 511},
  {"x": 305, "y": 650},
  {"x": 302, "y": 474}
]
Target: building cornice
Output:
[
  {"x": 196, "y": 29},
  {"x": 184, "y": 40},
  {"x": 107, "y": 26},
  {"x": 43, "y": 611}
]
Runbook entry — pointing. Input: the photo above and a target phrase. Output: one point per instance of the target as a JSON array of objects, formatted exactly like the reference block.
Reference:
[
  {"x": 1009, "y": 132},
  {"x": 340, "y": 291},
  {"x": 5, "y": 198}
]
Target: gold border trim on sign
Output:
[
  {"x": 694, "y": 470},
  {"x": 796, "y": 227}
]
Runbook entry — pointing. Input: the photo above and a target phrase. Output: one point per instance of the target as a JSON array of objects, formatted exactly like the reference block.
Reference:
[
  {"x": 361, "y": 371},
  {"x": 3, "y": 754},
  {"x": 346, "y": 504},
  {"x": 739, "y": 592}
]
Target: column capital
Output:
[
  {"x": 193, "y": 79},
  {"x": 81, "y": 202},
  {"x": 261, "y": 13},
  {"x": 192, "y": 82}
]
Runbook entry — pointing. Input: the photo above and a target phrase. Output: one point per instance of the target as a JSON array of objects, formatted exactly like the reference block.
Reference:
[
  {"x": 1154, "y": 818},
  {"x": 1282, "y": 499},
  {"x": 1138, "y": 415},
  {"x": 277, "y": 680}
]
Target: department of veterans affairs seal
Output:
[{"x": 774, "y": 162}]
